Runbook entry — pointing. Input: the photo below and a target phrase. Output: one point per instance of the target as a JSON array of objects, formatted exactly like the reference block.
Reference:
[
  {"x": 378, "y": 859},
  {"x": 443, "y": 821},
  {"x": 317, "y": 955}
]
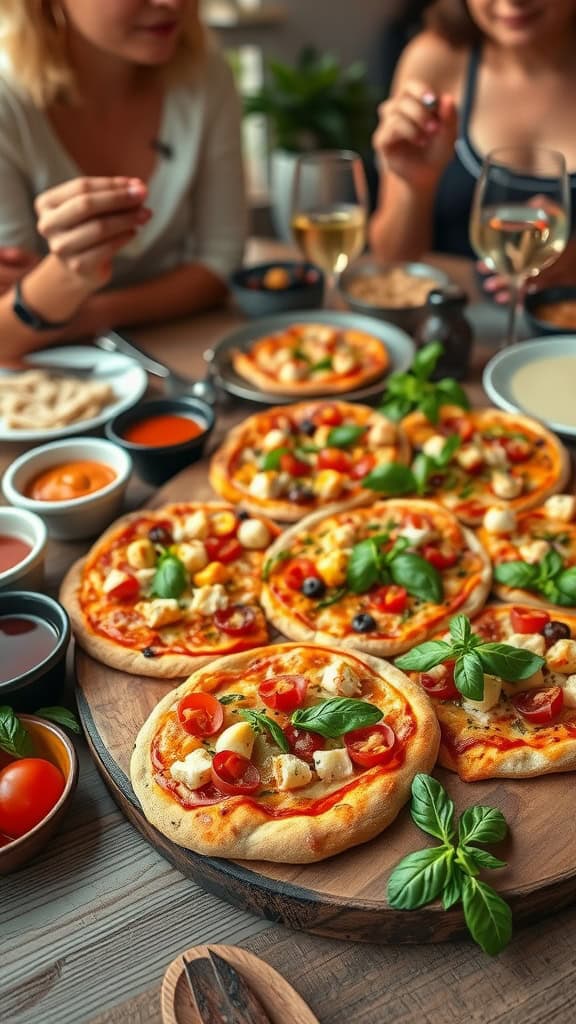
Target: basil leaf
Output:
[
  {"x": 272, "y": 459},
  {"x": 231, "y": 698},
  {"x": 430, "y": 406},
  {"x": 431, "y": 808},
  {"x": 418, "y": 577},
  {"x": 261, "y": 721},
  {"x": 460, "y": 630},
  {"x": 566, "y": 582},
  {"x": 483, "y": 859},
  {"x": 452, "y": 444},
  {"x": 395, "y": 408},
  {"x": 469, "y": 676},
  {"x": 271, "y": 563},
  {"x": 399, "y": 545},
  {"x": 551, "y": 564},
  {"x": 452, "y": 393},
  {"x": 453, "y": 888},
  {"x": 323, "y": 364},
  {"x": 480, "y": 824},
  {"x": 391, "y": 479},
  {"x": 336, "y": 716},
  {"x": 341, "y": 437},
  {"x": 363, "y": 567},
  {"x": 419, "y": 878},
  {"x": 466, "y": 863},
  {"x": 426, "y": 360},
  {"x": 510, "y": 663},
  {"x": 424, "y": 656},
  {"x": 422, "y": 468},
  {"x": 62, "y": 716},
  {"x": 170, "y": 578},
  {"x": 13, "y": 736},
  {"x": 516, "y": 574},
  {"x": 488, "y": 917}
]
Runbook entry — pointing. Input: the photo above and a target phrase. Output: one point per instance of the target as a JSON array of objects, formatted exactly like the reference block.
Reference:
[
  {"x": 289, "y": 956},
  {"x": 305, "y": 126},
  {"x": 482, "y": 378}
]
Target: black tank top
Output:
[{"x": 456, "y": 187}]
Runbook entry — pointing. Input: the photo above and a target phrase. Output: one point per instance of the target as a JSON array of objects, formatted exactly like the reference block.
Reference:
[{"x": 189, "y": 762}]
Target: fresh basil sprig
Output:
[
  {"x": 548, "y": 577},
  {"x": 62, "y": 716},
  {"x": 473, "y": 657},
  {"x": 336, "y": 716},
  {"x": 449, "y": 871},
  {"x": 259, "y": 721},
  {"x": 393, "y": 479},
  {"x": 341, "y": 437},
  {"x": 271, "y": 460},
  {"x": 170, "y": 578},
  {"x": 369, "y": 565},
  {"x": 15, "y": 739},
  {"x": 414, "y": 389}
]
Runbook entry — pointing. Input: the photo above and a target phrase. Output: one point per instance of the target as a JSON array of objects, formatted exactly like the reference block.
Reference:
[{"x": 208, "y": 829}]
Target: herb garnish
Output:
[
  {"x": 271, "y": 460},
  {"x": 231, "y": 698},
  {"x": 369, "y": 565},
  {"x": 548, "y": 577},
  {"x": 449, "y": 871},
  {"x": 414, "y": 389},
  {"x": 14, "y": 738},
  {"x": 392, "y": 478},
  {"x": 341, "y": 437},
  {"x": 336, "y": 715},
  {"x": 271, "y": 563},
  {"x": 170, "y": 578},
  {"x": 259, "y": 721}
]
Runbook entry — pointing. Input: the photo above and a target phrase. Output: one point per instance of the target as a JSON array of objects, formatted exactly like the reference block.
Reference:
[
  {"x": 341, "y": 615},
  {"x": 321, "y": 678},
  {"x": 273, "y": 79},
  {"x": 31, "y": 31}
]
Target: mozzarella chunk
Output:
[
  {"x": 161, "y": 611},
  {"x": 528, "y": 642},
  {"x": 434, "y": 446},
  {"x": 193, "y": 555},
  {"x": 194, "y": 527},
  {"x": 382, "y": 431},
  {"x": 340, "y": 679},
  {"x": 469, "y": 457},
  {"x": 495, "y": 455},
  {"x": 114, "y": 578},
  {"x": 561, "y": 506},
  {"x": 144, "y": 577},
  {"x": 265, "y": 485},
  {"x": 328, "y": 484},
  {"x": 209, "y": 599},
  {"x": 343, "y": 361},
  {"x": 321, "y": 433},
  {"x": 195, "y": 770},
  {"x": 274, "y": 439},
  {"x": 291, "y": 372},
  {"x": 290, "y": 772},
  {"x": 492, "y": 690},
  {"x": 534, "y": 551},
  {"x": 332, "y": 765},
  {"x": 499, "y": 520},
  {"x": 569, "y": 691},
  {"x": 141, "y": 554},
  {"x": 253, "y": 534},
  {"x": 333, "y": 568},
  {"x": 505, "y": 486},
  {"x": 417, "y": 535},
  {"x": 238, "y": 737},
  {"x": 342, "y": 537},
  {"x": 561, "y": 657}
]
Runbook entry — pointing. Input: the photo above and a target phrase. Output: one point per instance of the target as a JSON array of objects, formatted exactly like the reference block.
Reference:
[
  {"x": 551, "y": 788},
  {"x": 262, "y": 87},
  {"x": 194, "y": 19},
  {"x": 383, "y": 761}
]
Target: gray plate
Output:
[
  {"x": 399, "y": 344},
  {"x": 499, "y": 372}
]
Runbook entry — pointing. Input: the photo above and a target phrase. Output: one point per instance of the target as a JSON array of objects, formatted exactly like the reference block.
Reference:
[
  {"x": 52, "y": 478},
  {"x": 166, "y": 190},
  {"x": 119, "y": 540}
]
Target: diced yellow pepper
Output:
[
  {"x": 333, "y": 568},
  {"x": 215, "y": 572}
]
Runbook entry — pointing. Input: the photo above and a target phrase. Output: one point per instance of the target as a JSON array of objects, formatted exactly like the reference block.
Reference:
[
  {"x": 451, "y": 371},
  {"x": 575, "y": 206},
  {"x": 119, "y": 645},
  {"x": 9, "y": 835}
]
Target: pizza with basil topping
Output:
[{"x": 290, "y": 753}]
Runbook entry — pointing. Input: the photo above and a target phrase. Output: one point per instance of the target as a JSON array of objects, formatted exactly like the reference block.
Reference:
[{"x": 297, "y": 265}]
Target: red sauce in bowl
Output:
[
  {"x": 161, "y": 431},
  {"x": 13, "y": 550},
  {"x": 25, "y": 642}
]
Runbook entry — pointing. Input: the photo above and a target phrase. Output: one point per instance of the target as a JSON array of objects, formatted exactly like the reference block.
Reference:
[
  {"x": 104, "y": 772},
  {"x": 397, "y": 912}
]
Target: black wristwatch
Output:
[{"x": 29, "y": 317}]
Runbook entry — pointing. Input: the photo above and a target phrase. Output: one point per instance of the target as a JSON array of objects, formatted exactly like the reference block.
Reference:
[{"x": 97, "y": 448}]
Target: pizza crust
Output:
[{"x": 236, "y": 828}]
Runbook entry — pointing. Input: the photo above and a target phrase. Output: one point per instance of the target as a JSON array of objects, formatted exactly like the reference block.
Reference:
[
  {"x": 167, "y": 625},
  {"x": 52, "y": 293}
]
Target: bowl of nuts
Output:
[{"x": 279, "y": 287}]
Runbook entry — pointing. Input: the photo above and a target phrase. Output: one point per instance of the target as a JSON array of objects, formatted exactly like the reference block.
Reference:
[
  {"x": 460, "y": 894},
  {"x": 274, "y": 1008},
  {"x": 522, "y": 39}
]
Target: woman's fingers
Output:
[
  {"x": 86, "y": 207},
  {"x": 54, "y": 197},
  {"x": 96, "y": 232}
]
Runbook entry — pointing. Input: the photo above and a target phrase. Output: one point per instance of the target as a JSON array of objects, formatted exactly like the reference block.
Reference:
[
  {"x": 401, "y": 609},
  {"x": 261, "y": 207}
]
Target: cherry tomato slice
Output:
[
  {"x": 528, "y": 620},
  {"x": 328, "y": 415},
  {"x": 299, "y": 570},
  {"x": 335, "y": 458},
  {"x": 303, "y": 743},
  {"x": 439, "y": 682},
  {"x": 516, "y": 448},
  {"x": 224, "y": 523},
  {"x": 438, "y": 558},
  {"x": 391, "y": 599},
  {"x": 234, "y": 774},
  {"x": 460, "y": 425},
  {"x": 363, "y": 467},
  {"x": 283, "y": 693},
  {"x": 29, "y": 789},
  {"x": 371, "y": 746},
  {"x": 126, "y": 590},
  {"x": 223, "y": 549},
  {"x": 237, "y": 620},
  {"x": 539, "y": 706},
  {"x": 295, "y": 467},
  {"x": 200, "y": 714}
]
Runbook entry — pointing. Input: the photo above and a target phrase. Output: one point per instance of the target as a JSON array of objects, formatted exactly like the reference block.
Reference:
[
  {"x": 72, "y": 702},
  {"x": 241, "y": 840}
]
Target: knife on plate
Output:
[{"x": 221, "y": 994}]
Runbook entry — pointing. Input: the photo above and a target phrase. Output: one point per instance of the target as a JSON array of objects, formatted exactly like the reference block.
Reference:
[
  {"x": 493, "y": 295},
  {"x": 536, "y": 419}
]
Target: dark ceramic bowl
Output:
[
  {"x": 365, "y": 268},
  {"x": 548, "y": 296},
  {"x": 157, "y": 463},
  {"x": 277, "y": 287},
  {"x": 38, "y": 686}
]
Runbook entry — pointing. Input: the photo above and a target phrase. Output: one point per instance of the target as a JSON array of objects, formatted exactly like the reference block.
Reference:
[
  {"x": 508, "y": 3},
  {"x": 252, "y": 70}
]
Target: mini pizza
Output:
[
  {"x": 520, "y": 729},
  {"x": 379, "y": 579},
  {"x": 534, "y": 554},
  {"x": 166, "y": 590},
  {"x": 289, "y": 461},
  {"x": 312, "y": 359},
  {"x": 503, "y": 459},
  {"x": 289, "y": 753}
]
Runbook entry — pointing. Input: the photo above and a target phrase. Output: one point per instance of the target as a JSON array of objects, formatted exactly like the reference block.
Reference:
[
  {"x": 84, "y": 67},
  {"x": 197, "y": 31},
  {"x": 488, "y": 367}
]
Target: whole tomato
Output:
[{"x": 29, "y": 789}]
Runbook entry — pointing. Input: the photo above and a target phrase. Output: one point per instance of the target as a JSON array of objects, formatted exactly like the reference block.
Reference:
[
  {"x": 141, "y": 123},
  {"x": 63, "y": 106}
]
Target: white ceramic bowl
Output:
[
  {"x": 29, "y": 573},
  {"x": 79, "y": 517}
]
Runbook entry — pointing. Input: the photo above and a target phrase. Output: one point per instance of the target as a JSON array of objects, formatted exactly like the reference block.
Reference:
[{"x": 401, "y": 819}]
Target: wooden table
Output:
[{"x": 89, "y": 927}]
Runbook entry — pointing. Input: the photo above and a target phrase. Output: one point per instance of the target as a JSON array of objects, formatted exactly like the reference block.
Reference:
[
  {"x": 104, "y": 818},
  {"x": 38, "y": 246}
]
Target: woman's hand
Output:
[
  {"x": 14, "y": 264},
  {"x": 86, "y": 221},
  {"x": 416, "y": 133}
]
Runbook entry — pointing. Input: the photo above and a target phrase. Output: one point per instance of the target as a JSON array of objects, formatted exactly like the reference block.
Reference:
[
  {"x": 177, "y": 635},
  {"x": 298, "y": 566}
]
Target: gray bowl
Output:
[
  {"x": 406, "y": 317},
  {"x": 532, "y": 302},
  {"x": 305, "y": 290}
]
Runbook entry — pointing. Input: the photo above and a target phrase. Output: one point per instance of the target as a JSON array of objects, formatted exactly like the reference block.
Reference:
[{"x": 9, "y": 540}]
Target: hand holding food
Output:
[{"x": 416, "y": 133}]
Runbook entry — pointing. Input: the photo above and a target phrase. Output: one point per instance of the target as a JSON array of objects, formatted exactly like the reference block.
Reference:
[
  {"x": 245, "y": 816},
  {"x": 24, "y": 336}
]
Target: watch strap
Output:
[{"x": 29, "y": 317}]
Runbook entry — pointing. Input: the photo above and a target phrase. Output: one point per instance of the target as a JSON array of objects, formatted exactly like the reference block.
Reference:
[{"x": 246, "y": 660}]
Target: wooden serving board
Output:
[{"x": 344, "y": 897}]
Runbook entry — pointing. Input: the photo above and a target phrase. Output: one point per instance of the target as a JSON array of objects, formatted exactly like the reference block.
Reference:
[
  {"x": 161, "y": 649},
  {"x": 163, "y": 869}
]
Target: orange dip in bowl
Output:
[
  {"x": 70, "y": 480},
  {"x": 163, "y": 430}
]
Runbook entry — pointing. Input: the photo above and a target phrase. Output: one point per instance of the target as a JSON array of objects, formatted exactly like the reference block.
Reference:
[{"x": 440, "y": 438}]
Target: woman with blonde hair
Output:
[{"x": 121, "y": 184}]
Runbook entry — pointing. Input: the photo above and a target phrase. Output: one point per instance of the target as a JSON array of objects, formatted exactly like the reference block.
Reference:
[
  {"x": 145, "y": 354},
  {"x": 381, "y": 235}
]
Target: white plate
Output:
[
  {"x": 127, "y": 379},
  {"x": 499, "y": 372}
]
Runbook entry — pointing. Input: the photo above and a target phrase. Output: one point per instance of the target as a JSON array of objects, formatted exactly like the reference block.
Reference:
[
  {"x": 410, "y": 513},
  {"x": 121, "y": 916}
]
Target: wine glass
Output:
[
  {"x": 330, "y": 209},
  {"x": 520, "y": 219}
]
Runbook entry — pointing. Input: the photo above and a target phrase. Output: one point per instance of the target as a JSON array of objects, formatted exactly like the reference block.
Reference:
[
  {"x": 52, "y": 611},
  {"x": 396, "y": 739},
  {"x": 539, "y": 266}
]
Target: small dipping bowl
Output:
[
  {"x": 51, "y": 743},
  {"x": 551, "y": 301},
  {"x": 73, "y": 518},
  {"x": 277, "y": 287},
  {"x": 34, "y": 638},
  {"x": 156, "y": 458},
  {"x": 366, "y": 271},
  {"x": 28, "y": 532}
]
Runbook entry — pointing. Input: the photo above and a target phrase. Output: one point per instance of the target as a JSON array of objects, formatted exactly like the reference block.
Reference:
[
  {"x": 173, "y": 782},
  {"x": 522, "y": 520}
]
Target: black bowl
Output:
[
  {"x": 560, "y": 293},
  {"x": 156, "y": 464},
  {"x": 39, "y": 686},
  {"x": 303, "y": 289}
]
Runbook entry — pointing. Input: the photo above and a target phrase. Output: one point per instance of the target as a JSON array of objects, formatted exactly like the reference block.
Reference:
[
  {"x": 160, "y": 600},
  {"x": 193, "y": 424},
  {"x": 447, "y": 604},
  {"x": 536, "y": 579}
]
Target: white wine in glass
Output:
[
  {"x": 520, "y": 219},
  {"x": 330, "y": 209}
]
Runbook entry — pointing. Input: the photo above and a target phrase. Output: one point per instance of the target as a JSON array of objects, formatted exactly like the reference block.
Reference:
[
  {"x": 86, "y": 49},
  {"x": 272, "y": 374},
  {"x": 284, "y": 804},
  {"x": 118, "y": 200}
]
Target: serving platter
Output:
[
  {"x": 400, "y": 346},
  {"x": 345, "y": 896}
]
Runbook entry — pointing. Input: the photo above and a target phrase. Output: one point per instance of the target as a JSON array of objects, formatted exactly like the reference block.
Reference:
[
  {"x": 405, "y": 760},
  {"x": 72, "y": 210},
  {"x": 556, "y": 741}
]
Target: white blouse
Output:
[{"x": 196, "y": 191}]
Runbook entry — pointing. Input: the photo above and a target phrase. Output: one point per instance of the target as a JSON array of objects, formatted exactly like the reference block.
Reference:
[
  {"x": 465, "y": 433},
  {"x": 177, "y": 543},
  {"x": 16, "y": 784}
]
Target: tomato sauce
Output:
[
  {"x": 25, "y": 642},
  {"x": 162, "y": 431},
  {"x": 12, "y": 551},
  {"x": 70, "y": 480}
]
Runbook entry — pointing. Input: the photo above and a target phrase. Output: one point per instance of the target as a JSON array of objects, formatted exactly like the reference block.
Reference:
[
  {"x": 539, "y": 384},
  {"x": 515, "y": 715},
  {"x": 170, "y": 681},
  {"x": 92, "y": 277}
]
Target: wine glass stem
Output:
[{"x": 516, "y": 290}]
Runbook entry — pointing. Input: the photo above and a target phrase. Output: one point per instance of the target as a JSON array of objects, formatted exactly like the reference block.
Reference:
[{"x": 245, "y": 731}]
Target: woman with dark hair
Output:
[{"x": 485, "y": 73}]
